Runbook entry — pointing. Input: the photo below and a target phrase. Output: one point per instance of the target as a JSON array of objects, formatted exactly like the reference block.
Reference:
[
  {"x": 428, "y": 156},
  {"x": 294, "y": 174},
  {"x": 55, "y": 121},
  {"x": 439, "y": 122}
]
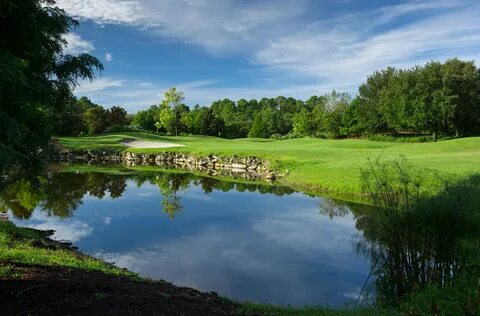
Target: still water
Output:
[{"x": 247, "y": 242}]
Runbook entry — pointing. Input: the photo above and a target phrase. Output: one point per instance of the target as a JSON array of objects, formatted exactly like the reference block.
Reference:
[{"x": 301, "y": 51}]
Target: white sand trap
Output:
[{"x": 147, "y": 144}]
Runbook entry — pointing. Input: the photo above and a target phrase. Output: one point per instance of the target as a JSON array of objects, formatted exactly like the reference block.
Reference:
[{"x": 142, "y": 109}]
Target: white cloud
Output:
[
  {"x": 298, "y": 247},
  {"x": 100, "y": 84},
  {"x": 76, "y": 44},
  {"x": 104, "y": 11},
  {"x": 72, "y": 231},
  {"x": 337, "y": 51},
  {"x": 214, "y": 25},
  {"x": 108, "y": 57},
  {"x": 282, "y": 42}
]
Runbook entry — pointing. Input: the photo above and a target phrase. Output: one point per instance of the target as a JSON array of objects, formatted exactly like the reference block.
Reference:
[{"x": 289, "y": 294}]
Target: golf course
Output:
[{"x": 314, "y": 164}]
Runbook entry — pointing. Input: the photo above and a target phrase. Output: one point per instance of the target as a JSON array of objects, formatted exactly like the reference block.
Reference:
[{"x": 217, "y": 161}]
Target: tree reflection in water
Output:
[{"x": 60, "y": 194}]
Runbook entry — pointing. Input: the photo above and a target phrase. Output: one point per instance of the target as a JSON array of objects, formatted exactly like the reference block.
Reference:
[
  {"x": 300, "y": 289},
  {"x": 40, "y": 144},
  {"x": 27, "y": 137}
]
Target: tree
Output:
[
  {"x": 36, "y": 78},
  {"x": 370, "y": 117},
  {"x": 462, "y": 81},
  {"x": 167, "y": 119},
  {"x": 350, "y": 120},
  {"x": 174, "y": 98},
  {"x": 146, "y": 119},
  {"x": 207, "y": 123},
  {"x": 116, "y": 116},
  {"x": 95, "y": 121},
  {"x": 435, "y": 98},
  {"x": 264, "y": 124},
  {"x": 304, "y": 123},
  {"x": 335, "y": 108},
  {"x": 69, "y": 120}
]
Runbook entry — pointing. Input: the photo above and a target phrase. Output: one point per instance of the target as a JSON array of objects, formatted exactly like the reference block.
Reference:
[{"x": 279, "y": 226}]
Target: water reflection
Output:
[
  {"x": 60, "y": 194},
  {"x": 248, "y": 242}
]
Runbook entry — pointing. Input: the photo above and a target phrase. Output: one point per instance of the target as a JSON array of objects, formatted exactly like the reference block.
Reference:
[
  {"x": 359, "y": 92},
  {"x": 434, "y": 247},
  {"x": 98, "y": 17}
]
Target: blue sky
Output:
[{"x": 215, "y": 49}]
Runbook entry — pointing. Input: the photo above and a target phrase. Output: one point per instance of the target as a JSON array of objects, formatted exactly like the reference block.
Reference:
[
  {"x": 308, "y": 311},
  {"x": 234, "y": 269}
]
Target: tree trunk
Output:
[{"x": 176, "y": 122}]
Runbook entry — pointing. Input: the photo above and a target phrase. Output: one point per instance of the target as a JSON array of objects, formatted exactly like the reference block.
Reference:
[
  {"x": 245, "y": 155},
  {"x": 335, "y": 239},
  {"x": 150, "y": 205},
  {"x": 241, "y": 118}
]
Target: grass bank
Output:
[
  {"x": 314, "y": 165},
  {"x": 40, "y": 276}
]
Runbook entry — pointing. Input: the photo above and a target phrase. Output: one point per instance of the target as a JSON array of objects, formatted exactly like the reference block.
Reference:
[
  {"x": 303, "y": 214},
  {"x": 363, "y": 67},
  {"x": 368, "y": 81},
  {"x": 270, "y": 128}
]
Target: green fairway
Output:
[{"x": 315, "y": 164}]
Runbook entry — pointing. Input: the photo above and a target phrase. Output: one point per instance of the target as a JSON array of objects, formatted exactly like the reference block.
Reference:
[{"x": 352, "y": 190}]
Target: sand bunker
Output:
[{"x": 134, "y": 143}]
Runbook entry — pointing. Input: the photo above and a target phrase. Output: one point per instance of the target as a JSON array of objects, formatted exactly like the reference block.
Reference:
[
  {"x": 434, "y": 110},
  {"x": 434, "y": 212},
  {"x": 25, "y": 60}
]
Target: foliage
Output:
[
  {"x": 423, "y": 242},
  {"x": 36, "y": 78},
  {"x": 146, "y": 119},
  {"x": 264, "y": 124},
  {"x": 116, "y": 116},
  {"x": 304, "y": 123},
  {"x": 436, "y": 99},
  {"x": 166, "y": 118},
  {"x": 95, "y": 120},
  {"x": 83, "y": 117},
  {"x": 173, "y": 101}
]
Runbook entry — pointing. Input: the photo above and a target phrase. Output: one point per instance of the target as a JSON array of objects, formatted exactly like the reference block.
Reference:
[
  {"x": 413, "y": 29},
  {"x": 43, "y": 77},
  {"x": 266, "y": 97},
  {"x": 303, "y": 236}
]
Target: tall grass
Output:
[{"x": 423, "y": 236}]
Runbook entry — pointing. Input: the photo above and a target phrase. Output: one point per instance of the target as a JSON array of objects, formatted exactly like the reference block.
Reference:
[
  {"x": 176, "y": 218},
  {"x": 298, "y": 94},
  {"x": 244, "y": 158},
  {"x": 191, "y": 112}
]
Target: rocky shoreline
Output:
[{"x": 249, "y": 167}]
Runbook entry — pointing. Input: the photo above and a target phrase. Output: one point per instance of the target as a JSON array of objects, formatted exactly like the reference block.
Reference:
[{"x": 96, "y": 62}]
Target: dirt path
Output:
[{"x": 134, "y": 143}]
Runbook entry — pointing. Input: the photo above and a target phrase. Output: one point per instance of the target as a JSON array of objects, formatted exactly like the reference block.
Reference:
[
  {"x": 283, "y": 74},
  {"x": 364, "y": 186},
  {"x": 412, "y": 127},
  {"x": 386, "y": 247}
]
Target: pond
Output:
[{"x": 247, "y": 242}]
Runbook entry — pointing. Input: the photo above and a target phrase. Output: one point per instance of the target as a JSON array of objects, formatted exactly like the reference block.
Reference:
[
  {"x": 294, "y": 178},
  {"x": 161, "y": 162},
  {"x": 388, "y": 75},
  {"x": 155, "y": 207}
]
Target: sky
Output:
[{"x": 216, "y": 49}]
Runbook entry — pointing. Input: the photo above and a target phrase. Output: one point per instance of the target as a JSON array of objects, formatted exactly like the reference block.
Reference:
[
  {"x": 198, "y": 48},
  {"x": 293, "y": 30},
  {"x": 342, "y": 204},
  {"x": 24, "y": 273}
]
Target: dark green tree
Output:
[
  {"x": 462, "y": 84},
  {"x": 95, "y": 120},
  {"x": 264, "y": 124},
  {"x": 370, "y": 117},
  {"x": 36, "y": 78},
  {"x": 304, "y": 123},
  {"x": 116, "y": 116},
  {"x": 146, "y": 119},
  {"x": 69, "y": 120}
]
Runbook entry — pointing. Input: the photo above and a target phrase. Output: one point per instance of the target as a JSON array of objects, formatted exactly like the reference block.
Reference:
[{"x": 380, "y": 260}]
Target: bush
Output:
[
  {"x": 463, "y": 298},
  {"x": 404, "y": 138},
  {"x": 122, "y": 128}
]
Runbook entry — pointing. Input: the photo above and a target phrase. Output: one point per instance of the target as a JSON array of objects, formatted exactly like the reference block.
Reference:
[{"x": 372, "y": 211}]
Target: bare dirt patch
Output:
[
  {"x": 135, "y": 143},
  {"x": 43, "y": 290}
]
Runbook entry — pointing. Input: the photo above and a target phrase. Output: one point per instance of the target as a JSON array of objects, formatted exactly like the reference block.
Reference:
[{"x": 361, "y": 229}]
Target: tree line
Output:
[
  {"x": 83, "y": 117},
  {"x": 437, "y": 99}
]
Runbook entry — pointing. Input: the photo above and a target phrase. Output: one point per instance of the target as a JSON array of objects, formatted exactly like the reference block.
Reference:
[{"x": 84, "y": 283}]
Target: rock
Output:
[
  {"x": 270, "y": 176},
  {"x": 239, "y": 166},
  {"x": 249, "y": 167}
]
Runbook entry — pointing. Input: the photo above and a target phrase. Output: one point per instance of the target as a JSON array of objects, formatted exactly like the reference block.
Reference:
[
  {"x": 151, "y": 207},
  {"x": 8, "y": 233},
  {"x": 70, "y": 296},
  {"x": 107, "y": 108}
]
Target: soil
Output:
[{"x": 52, "y": 290}]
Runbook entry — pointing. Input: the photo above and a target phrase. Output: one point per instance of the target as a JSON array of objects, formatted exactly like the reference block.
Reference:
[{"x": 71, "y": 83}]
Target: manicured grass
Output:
[{"x": 313, "y": 164}]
